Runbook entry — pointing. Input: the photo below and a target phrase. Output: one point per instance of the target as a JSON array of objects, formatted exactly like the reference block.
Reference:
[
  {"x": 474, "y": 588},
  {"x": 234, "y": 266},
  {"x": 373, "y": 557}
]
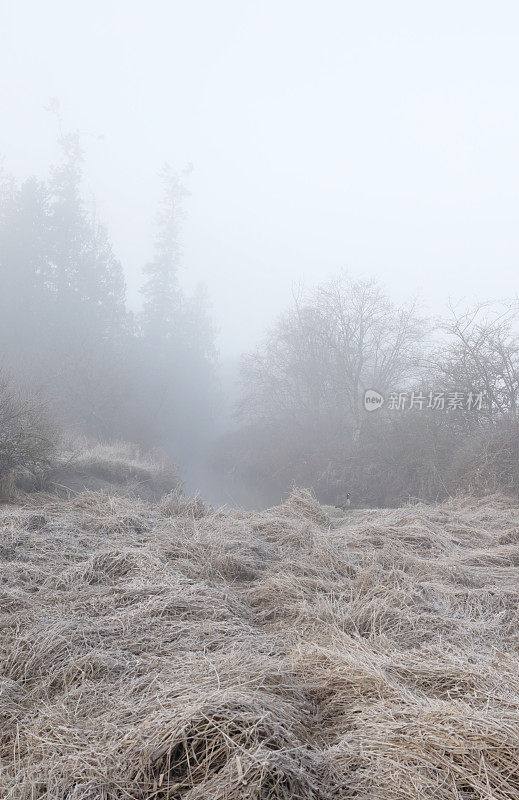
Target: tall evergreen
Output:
[
  {"x": 87, "y": 280},
  {"x": 24, "y": 270},
  {"x": 177, "y": 339},
  {"x": 162, "y": 297},
  {"x": 62, "y": 302}
]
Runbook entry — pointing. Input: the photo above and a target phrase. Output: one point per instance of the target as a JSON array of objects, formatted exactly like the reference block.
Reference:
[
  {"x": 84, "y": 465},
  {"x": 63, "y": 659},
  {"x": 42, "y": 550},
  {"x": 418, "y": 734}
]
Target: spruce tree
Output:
[{"x": 162, "y": 297}]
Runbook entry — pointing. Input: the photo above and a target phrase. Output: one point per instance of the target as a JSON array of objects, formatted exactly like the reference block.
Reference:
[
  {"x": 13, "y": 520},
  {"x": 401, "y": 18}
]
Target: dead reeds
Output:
[{"x": 174, "y": 652}]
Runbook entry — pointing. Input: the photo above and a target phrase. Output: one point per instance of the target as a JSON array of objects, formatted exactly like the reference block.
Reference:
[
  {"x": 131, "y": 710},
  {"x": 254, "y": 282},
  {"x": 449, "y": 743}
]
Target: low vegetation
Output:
[
  {"x": 303, "y": 416},
  {"x": 27, "y": 441},
  {"x": 120, "y": 467},
  {"x": 34, "y": 456},
  {"x": 170, "y": 651}
]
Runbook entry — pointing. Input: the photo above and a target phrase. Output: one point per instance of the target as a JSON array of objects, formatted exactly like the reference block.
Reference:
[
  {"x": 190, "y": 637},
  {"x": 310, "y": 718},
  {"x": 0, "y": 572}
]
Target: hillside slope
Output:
[{"x": 167, "y": 651}]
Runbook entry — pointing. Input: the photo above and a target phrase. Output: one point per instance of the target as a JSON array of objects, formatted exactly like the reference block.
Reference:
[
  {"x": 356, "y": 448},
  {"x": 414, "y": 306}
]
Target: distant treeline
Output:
[
  {"x": 67, "y": 335},
  {"x": 66, "y": 332},
  {"x": 449, "y": 419}
]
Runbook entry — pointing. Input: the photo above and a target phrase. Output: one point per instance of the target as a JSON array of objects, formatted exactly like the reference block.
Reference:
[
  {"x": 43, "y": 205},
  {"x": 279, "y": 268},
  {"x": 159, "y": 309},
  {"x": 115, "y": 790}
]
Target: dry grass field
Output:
[{"x": 153, "y": 651}]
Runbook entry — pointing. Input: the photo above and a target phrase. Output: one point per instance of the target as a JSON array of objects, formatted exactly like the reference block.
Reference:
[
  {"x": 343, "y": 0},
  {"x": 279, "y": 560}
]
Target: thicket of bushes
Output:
[{"x": 303, "y": 420}]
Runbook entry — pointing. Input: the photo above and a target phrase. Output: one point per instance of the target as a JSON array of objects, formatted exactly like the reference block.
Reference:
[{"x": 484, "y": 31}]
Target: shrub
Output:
[{"x": 26, "y": 439}]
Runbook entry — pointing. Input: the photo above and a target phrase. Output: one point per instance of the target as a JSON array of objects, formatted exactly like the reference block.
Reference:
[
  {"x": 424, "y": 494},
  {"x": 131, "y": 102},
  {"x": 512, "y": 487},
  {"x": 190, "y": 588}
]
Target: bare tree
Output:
[
  {"x": 330, "y": 347},
  {"x": 482, "y": 356},
  {"x": 370, "y": 342}
]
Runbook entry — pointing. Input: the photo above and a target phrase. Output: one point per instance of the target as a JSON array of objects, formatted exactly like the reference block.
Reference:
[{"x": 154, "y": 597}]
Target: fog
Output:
[
  {"x": 222, "y": 224},
  {"x": 380, "y": 138},
  {"x": 259, "y": 400}
]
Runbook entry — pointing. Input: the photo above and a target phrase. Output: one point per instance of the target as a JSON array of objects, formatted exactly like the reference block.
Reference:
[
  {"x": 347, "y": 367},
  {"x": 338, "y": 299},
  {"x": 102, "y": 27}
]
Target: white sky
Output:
[{"x": 381, "y": 137}]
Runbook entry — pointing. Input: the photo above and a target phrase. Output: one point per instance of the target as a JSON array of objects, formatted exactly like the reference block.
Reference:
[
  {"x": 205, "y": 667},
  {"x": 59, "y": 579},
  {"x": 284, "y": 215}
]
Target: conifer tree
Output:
[{"x": 162, "y": 296}]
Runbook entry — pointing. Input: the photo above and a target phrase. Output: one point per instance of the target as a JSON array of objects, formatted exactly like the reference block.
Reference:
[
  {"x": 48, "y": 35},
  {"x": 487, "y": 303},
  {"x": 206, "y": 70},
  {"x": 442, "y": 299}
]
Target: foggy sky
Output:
[{"x": 378, "y": 137}]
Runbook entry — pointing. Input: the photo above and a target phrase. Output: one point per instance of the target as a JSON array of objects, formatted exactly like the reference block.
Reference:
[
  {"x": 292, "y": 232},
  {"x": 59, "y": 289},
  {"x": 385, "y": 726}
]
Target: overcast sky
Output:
[{"x": 379, "y": 137}]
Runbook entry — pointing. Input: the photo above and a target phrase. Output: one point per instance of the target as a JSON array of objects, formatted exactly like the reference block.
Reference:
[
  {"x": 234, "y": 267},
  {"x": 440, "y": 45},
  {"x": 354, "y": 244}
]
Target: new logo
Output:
[{"x": 373, "y": 400}]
